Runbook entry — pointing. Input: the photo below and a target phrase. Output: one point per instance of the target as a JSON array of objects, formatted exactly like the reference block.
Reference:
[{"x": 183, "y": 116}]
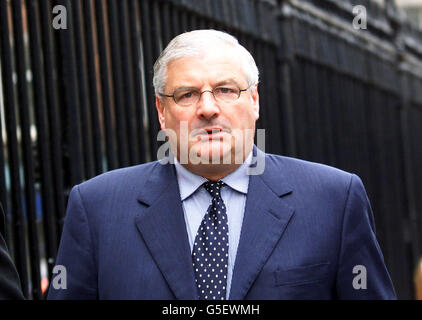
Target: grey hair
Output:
[{"x": 194, "y": 43}]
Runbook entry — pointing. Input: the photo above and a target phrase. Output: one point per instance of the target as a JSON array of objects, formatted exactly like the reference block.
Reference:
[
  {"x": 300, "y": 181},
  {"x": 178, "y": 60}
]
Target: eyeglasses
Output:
[{"x": 188, "y": 96}]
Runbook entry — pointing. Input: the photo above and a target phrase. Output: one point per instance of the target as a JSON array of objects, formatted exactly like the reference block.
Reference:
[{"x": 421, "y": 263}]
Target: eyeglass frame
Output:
[{"x": 200, "y": 95}]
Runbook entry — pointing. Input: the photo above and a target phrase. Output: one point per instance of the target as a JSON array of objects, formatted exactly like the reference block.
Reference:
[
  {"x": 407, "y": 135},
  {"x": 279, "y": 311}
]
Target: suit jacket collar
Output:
[
  {"x": 266, "y": 217},
  {"x": 189, "y": 182},
  {"x": 163, "y": 228}
]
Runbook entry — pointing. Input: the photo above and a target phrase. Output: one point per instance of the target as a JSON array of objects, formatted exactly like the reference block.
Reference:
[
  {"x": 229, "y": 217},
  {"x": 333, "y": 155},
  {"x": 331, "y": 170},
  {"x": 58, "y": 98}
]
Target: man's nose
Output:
[{"x": 207, "y": 106}]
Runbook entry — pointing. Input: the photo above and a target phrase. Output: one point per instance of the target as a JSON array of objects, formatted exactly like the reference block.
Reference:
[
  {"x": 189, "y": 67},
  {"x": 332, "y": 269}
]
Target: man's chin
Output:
[{"x": 215, "y": 153}]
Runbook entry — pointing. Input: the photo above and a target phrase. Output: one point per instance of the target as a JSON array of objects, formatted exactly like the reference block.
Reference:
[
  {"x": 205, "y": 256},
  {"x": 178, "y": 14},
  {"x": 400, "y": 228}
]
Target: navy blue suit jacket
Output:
[{"x": 306, "y": 226}]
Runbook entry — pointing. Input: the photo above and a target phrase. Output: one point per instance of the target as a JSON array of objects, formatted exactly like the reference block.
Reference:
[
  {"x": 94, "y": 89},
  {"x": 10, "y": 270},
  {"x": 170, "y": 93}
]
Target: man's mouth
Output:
[
  {"x": 212, "y": 133},
  {"x": 213, "y": 130}
]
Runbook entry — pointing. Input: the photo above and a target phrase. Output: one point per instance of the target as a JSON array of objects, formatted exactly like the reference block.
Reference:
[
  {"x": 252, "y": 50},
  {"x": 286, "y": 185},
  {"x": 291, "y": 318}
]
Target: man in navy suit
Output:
[{"x": 202, "y": 223}]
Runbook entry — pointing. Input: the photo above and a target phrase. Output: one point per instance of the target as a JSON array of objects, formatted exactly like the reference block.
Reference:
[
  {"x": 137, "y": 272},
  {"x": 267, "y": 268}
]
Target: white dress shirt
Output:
[{"x": 196, "y": 200}]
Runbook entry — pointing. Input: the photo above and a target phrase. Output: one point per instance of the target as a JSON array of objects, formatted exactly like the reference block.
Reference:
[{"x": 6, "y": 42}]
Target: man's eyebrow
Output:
[
  {"x": 219, "y": 83},
  {"x": 227, "y": 81},
  {"x": 185, "y": 88}
]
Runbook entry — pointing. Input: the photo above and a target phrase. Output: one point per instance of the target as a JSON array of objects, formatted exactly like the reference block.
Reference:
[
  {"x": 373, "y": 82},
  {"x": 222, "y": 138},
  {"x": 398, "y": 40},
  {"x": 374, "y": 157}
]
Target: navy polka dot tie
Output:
[{"x": 211, "y": 248}]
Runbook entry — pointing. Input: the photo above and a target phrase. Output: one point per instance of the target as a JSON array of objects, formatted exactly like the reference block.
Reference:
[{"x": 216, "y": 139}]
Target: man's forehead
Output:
[
  {"x": 218, "y": 68},
  {"x": 222, "y": 54},
  {"x": 184, "y": 81},
  {"x": 191, "y": 83}
]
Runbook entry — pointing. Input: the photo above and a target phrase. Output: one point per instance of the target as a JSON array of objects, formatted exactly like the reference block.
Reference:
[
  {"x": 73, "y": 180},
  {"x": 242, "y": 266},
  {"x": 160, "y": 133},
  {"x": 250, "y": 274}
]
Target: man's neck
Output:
[{"x": 212, "y": 172}]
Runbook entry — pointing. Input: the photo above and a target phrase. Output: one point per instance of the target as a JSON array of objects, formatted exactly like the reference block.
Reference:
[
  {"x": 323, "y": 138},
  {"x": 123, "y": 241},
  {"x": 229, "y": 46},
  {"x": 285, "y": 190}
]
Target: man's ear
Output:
[
  {"x": 160, "y": 110},
  {"x": 255, "y": 100}
]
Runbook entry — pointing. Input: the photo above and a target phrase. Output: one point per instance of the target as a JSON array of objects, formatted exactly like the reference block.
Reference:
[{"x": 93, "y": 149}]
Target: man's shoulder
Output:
[
  {"x": 300, "y": 165},
  {"x": 295, "y": 170},
  {"x": 311, "y": 180},
  {"x": 120, "y": 178}
]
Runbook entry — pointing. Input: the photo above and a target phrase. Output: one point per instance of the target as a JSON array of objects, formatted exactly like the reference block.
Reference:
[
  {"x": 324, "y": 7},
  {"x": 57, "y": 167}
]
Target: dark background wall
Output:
[{"x": 78, "y": 102}]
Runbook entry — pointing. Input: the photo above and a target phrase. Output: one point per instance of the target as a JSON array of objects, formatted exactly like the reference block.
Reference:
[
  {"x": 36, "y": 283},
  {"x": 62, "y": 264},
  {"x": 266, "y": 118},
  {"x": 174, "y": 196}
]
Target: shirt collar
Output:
[{"x": 189, "y": 182}]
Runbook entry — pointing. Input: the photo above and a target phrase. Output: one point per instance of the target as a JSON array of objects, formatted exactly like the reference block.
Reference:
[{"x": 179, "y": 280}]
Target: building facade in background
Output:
[{"x": 413, "y": 10}]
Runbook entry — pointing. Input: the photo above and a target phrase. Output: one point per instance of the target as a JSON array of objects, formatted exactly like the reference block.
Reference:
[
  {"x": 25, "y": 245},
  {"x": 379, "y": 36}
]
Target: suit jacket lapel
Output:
[
  {"x": 265, "y": 219},
  {"x": 163, "y": 229}
]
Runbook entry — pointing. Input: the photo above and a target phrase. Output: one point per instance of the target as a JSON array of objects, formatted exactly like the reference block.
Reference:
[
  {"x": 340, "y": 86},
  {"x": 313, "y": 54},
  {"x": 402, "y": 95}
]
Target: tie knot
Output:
[{"x": 213, "y": 187}]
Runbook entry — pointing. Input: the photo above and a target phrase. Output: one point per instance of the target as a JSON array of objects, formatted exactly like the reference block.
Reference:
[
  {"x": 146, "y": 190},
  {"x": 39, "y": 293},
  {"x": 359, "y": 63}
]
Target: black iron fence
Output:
[{"x": 79, "y": 101}]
